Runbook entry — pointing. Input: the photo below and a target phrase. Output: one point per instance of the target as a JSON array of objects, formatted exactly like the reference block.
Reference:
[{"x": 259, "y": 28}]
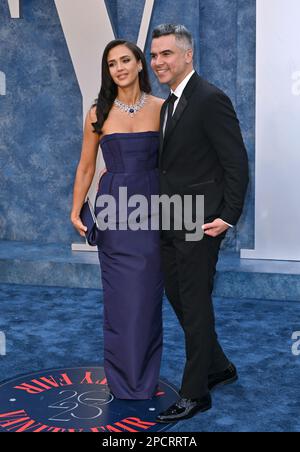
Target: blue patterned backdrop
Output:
[{"x": 40, "y": 116}]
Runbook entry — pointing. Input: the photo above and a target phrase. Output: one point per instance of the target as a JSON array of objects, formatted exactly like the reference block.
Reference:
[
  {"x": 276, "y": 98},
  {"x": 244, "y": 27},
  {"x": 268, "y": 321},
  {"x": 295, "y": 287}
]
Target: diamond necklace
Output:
[{"x": 131, "y": 110}]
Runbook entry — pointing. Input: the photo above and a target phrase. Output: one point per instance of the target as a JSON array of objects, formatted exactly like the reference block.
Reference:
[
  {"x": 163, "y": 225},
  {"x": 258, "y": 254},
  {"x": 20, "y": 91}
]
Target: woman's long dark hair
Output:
[{"x": 109, "y": 89}]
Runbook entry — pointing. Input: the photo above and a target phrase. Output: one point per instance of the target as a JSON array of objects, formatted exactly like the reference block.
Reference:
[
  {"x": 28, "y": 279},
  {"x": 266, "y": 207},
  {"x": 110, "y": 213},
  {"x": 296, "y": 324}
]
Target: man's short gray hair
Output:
[{"x": 183, "y": 36}]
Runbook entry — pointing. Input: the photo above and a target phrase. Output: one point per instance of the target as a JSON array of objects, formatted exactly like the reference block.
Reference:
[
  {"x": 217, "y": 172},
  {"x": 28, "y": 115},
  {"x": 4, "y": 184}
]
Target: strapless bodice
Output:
[{"x": 130, "y": 153}]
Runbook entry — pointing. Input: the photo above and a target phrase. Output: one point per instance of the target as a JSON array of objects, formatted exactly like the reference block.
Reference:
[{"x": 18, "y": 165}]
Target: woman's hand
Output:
[
  {"x": 84, "y": 174},
  {"x": 78, "y": 225}
]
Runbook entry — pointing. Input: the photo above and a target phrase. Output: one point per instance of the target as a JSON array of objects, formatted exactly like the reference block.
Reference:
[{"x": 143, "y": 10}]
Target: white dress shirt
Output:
[{"x": 178, "y": 93}]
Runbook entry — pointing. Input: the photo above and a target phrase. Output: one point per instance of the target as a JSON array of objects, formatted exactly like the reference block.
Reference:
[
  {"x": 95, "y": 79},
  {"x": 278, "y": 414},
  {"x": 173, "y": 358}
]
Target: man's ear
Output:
[{"x": 189, "y": 56}]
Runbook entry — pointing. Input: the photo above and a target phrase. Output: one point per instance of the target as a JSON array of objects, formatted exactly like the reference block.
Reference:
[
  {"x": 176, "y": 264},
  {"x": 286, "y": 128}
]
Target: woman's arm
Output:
[{"x": 85, "y": 170}]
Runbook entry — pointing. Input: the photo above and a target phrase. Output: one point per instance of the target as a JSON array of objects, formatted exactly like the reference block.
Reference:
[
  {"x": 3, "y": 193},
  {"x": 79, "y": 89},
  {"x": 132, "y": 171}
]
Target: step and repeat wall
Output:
[{"x": 50, "y": 57}]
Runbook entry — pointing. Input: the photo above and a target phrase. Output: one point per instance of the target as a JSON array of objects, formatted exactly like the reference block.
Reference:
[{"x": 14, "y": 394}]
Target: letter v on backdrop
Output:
[
  {"x": 14, "y": 8},
  {"x": 87, "y": 29}
]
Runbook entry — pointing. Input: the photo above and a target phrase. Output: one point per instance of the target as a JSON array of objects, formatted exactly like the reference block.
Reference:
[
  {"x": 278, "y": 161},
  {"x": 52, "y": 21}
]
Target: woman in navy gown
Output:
[{"x": 125, "y": 122}]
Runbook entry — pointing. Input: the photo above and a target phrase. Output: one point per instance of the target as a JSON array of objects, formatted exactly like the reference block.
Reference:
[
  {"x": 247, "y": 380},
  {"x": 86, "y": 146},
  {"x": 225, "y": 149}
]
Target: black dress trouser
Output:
[{"x": 189, "y": 269}]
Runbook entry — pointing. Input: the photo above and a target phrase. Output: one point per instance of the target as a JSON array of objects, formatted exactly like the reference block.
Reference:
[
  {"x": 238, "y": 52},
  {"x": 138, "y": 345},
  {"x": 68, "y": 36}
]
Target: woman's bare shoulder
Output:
[{"x": 156, "y": 101}]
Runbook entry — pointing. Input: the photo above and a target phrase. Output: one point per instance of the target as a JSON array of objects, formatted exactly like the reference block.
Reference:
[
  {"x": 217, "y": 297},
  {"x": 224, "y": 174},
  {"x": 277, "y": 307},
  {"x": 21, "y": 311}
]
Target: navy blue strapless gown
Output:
[{"x": 131, "y": 271}]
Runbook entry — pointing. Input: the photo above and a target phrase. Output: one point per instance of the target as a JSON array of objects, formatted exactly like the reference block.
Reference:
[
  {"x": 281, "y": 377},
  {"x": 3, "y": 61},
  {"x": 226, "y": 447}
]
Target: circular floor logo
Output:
[{"x": 77, "y": 400}]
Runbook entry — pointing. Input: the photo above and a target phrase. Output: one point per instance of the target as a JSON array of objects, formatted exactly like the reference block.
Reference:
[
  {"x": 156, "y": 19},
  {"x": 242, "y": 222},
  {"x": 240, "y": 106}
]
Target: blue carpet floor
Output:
[{"x": 56, "y": 327}]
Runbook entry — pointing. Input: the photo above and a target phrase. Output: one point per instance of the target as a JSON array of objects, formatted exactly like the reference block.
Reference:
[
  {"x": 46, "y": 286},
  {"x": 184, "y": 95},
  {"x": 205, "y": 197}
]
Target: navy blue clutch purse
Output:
[{"x": 88, "y": 218}]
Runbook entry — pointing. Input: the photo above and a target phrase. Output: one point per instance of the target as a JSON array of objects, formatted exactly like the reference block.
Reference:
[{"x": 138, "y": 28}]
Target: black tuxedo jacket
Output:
[{"x": 204, "y": 153}]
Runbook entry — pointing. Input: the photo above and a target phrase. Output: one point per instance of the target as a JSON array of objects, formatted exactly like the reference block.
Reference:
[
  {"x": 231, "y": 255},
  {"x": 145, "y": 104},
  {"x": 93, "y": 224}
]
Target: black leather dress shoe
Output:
[
  {"x": 226, "y": 377},
  {"x": 184, "y": 409}
]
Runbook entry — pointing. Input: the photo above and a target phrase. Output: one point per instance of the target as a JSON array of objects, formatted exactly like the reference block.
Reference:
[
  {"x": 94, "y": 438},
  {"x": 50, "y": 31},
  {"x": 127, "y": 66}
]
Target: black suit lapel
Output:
[{"x": 182, "y": 104}]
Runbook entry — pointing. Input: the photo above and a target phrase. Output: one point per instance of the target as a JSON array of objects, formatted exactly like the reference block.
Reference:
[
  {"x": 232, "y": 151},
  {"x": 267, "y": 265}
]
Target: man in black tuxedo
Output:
[{"x": 201, "y": 153}]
